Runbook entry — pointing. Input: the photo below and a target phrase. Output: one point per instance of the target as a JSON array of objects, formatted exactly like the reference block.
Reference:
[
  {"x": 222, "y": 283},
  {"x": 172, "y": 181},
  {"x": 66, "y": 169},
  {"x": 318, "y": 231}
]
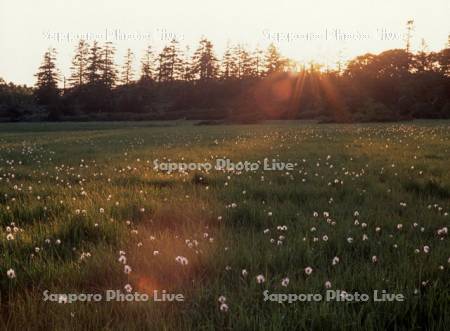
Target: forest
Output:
[{"x": 242, "y": 86}]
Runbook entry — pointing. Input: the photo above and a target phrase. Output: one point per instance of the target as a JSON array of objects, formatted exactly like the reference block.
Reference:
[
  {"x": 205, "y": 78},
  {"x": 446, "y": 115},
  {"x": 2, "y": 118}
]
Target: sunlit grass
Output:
[{"x": 78, "y": 194}]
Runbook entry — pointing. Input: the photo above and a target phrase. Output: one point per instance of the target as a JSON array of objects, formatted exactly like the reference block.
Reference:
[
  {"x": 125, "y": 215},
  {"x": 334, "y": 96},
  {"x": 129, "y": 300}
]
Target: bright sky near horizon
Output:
[{"x": 319, "y": 30}]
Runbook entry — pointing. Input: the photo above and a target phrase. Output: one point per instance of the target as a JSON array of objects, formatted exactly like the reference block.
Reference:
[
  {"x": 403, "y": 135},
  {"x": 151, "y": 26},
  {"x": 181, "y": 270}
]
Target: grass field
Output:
[{"x": 83, "y": 211}]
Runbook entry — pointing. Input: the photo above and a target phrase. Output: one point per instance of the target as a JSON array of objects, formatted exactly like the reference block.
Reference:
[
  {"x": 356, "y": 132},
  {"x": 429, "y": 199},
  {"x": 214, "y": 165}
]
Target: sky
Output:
[{"x": 318, "y": 30}]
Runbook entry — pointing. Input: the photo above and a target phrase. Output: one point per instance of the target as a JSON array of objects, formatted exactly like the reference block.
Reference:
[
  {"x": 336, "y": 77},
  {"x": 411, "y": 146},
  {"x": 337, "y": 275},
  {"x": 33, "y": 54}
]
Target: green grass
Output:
[{"x": 77, "y": 188}]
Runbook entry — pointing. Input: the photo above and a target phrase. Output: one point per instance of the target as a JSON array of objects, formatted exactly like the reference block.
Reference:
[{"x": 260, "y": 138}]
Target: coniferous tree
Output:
[
  {"x": 227, "y": 64},
  {"x": 47, "y": 91},
  {"x": 273, "y": 60},
  {"x": 243, "y": 63},
  {"x": 94, "y": 65},
  {"x": 187, "y": 72},
  {"x": 170, "y": 63},
  {"x": 79, "y": 66},
  {"x": 127, "y": 70},
  {"x": 108, "y": 67},
  {"x": 408, "y": 36},
  {"x": 204, "y": 62},
  {"x": 257, "y": 62},
  {"x": 164, "y": 66},
  {"x": 247, "y": 64},
  {"x": 148, "y": 65}
]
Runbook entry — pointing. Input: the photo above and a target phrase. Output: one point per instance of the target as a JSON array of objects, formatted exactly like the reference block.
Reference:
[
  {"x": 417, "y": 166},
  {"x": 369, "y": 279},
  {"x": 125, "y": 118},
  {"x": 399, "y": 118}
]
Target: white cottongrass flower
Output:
[
  {"x": 327, "y": 284},
  {"x": 442, "y": 231},
  {"x": 11, "y": 273},
  {"x": 308, "y": 271},
  {"x": 127, "y": 269},
  {"x": 335, "y": 260},
  {"x": 260, "y": 279},
  {"x": 374, "y": 259},
  {"x": 182, "y": 260},
  {"x": 223, "y": 307},
  {"x": 155, "y": 253},
  {"x": 222, "y": 299},
  {"x": 128, "y": 288},
  {"x": 426, "y": 249},
  {"x": 285, "y": 282},
  {"x": 122, "y": 259},
  {"x": 244, "y": 272}
]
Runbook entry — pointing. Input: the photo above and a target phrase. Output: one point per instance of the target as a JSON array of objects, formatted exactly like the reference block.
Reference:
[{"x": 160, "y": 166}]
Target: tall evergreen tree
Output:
[
  {"x": 228, "y": 64},
  {"x": 170, "y": 63},
  {"x": 108, "y": 67},
  {"x": 187, "y": 73},
  {"x": 258, "y": 62},
  {"x": 273, "y": 60},
  {"x": 148, "y": 65},
  {"x": 127, "y": 70},
  {"x": 47, "y": 91},
  {"x": 79, "y": 66},
  {"x": 204, "y": 62},
  {"x": 94, "y": 64},
  {"x": 243, "y": 66},
  {"x": 408, "y": 36}
]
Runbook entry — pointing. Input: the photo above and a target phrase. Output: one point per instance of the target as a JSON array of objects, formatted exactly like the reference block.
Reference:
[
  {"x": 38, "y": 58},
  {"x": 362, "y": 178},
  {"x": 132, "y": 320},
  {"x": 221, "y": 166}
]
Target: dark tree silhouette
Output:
[
  {"x": 228, "y": 65},
  {"x": 148, "y": 65},
  {"x": 396, "y": 84},
  {"x": 79, "y": 75},
  {"x": 273, "y": 60},
  {"x": 127, "y": 70},
  {"x": 47, "y": 92},
  {"x": 94, "y": 67},
  {"x": 170, "y": 63},
  {"x": 204, "y": 62},
  {"x": 108, "y": 67},
  {"x": 47, "y": 79}
]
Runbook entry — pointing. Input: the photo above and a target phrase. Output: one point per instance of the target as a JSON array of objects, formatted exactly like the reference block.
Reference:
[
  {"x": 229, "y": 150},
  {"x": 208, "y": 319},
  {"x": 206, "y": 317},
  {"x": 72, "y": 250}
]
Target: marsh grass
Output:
[{"x": 73, "y": 189}]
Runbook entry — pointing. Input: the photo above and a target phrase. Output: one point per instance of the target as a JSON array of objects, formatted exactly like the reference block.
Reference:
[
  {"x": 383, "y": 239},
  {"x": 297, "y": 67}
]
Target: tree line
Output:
[{"x": 243, "y": 85}]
